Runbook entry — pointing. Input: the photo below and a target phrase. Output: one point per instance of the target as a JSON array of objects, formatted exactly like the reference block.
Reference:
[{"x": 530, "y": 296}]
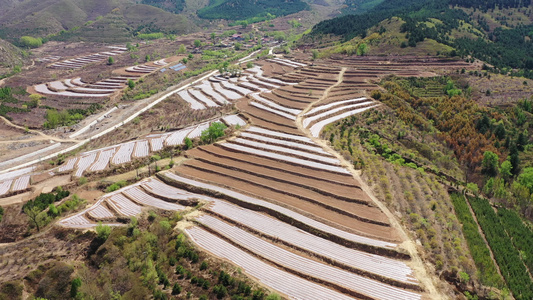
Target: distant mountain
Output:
[{"x": 87, "y": 19}]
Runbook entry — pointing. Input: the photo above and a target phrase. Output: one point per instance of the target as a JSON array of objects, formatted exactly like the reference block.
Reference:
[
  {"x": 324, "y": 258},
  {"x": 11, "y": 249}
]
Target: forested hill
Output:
[
  {"x": 246, "y": 9},
  {"x": 500, "y": 32}
]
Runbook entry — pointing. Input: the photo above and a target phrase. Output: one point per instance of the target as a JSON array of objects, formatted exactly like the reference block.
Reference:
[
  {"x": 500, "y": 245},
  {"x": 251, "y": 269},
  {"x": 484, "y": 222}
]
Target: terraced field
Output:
[
  {"x": 102, "y": 159},
  {"x": 275, "y": 200}
]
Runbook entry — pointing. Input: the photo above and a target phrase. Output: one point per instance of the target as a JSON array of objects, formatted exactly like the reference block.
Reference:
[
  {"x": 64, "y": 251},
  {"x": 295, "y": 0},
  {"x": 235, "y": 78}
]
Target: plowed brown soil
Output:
[{"x": 363, "y": 228}]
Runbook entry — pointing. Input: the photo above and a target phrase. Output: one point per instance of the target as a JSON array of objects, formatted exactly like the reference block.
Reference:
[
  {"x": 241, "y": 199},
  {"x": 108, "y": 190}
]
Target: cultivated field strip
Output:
[
  {"x": 281, "y": 135},
  {"x": 233, "y": 87},
  {"x": 332, "y": 105},
  {"x": 16, "y": 173},
  {"x": 301, "y": 265},
  {"x": 177, "y": 137},
  {"x": 103, "y": 160},
  {"x": 165, "y": 191},
  {"x": 273, "y": 110},
  {"x": 231, "y": 95},
  {"x": 202, "y": 98},
  {"x": 184, "y": 94},
  {"x": 291, "y": 285},
  {"x": 196, "y": 132},
  {"x": 123, "y": 206},
  {"x": 258, "y": 73},
  {"x": 100, "y": 212},
  {"x": 288, "y": 144},
  {"x": 81, "y": 61},
  {"x": 21, "y": 183},
  {"x": 138, "y": 195},
  {"x": 350, "y": 212},
  {"x": 5, "y": 186},
  {"x": 84, "y": 163},
  {"x": 276, "y": 106},
  {"x": 334, "y": 111},
  {"x": 207, "y": 89},
  {"x": 308, "y": 188},
  {"x": 294, "y": 216},
  {"x": 327, "y": 180},
  {"x": 323, "y": 248},
  {"x": 324, "y": 158},
  {"x": 69, "y": 165},
  {"x": 141, "y": 149},
  {"x": 123, "y": 153},
  {"x": 286, "y": 62},
  {"x": 317, "y": 127},
  {"x": 233, "y": 120},
  {"x": 289, "y": 159},
  {"x": 77, "y": 221},
  {"x": 156, "y": 143}
]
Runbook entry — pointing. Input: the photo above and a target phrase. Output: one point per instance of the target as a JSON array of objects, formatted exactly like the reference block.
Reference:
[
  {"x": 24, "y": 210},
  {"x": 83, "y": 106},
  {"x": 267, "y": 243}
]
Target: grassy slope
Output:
[
  {"x": 120, "y": 19},
  {"x": 389, "y": 42},
  {"x": 9, "y": 55}
]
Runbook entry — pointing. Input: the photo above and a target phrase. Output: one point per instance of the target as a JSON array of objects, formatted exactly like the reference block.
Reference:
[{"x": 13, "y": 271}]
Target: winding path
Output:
[{"x": 418, "y": 266}]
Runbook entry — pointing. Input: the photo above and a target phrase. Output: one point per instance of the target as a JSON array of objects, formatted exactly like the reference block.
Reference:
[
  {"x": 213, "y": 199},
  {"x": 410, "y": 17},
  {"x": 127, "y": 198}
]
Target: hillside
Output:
[
  {"x": 10, "y": 55},
  {"x": 470, "y": 29},
  {"x": 78, "y": 19},
  {"x": 242, "y": 9}
]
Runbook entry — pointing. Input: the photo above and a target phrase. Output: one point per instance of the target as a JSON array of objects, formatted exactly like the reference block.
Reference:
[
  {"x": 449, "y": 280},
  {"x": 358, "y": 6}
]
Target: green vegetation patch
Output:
[
  {"x": 242, "y": 9},
  {"x": 479, "y": 250},
  {"x": 506, "y": 255}
]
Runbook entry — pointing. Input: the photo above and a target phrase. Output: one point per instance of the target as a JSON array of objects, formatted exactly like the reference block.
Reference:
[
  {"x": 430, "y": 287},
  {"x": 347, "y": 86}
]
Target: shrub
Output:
[
  {"x": 103, "y": 231},
  {"x": 176, "y": 289},
  {"x": 215, "y": 131},
  {"x": 30, "y": 42}
]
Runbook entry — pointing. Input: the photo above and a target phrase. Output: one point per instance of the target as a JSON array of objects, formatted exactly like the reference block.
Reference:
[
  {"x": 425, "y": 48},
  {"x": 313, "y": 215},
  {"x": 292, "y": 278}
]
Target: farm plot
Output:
[
  {"x": 332, "y": 113},
  {"x": 356, "y": 284},
  {"x": 69, "y": 165},
  {"x": 84, "y": 163},
  {"x": 5, "y": 186},
  {"x": 141, "y": 149},
  {"x": 21, "y": 183},
  {"x": 233, "y": 120},
  {"x": 100, "y": 212},
  {"x": 287, "y": 149},
  {"x": 338, "y": 255},
  {"x": 138, "y": 195},
  {"x": 287, "y": 283},
  {"x": 202, "y": 98},
  {"x": 196, "y": 132},
  {"x": 285, "y": 214},
  {"x": 123, "y": 154},
  {"x": 184, "y": 94},
  {"x": 207, "y": 89},
  {"x": 165, "y": 191},
  {"x": 286, "y": 62},
  {"x": 286, "y": 158},
  {"x": 103, "y": 160},
  {"x": 267, "y": 119},
  {"x": 156, "y": 141},
  {"x": 123, "y": 206},
  {"x": 16, "y": 173},
  {"x": 81, "y": 61},
  {"x": 177, "y": 137},
  {"x": 231, "y": 95},
  {"x": 346, "y": 211}
]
